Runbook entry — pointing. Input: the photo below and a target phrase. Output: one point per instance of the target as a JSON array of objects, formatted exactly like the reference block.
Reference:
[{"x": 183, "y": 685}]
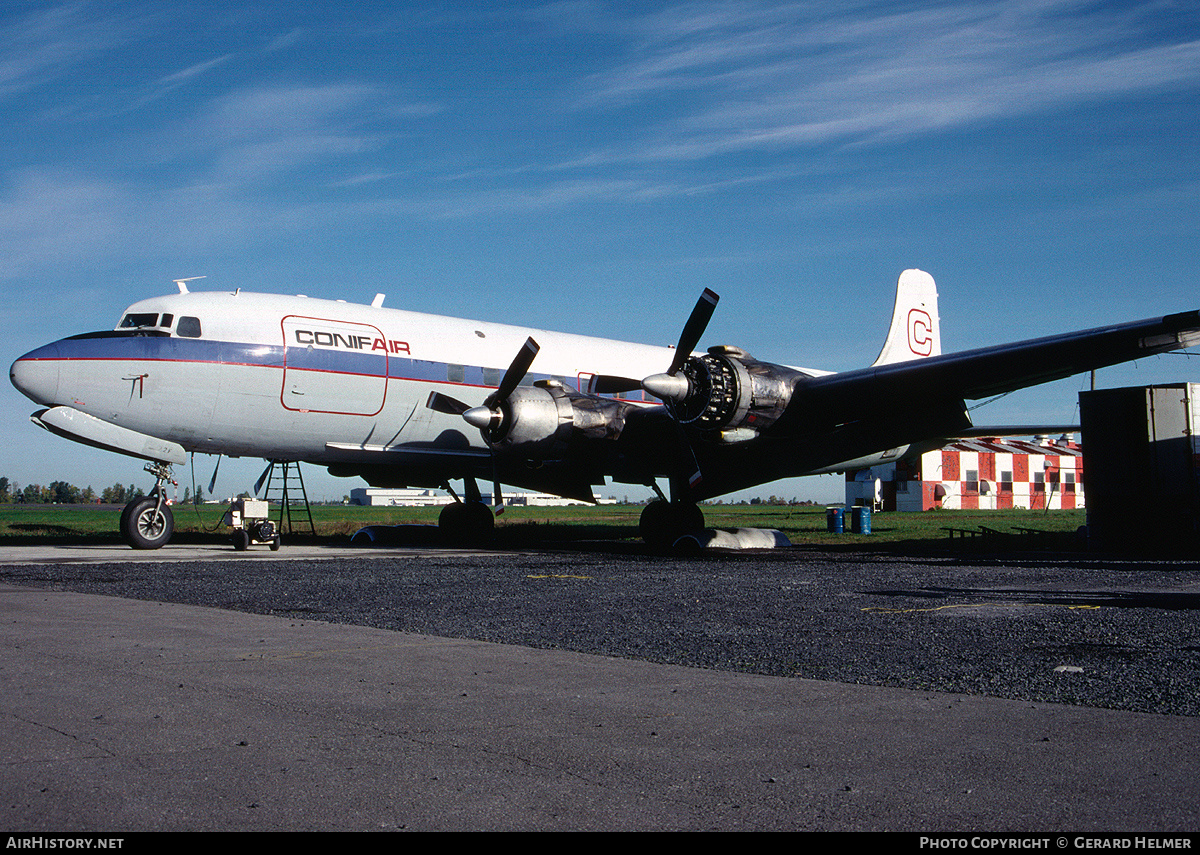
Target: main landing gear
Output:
[
  {"x": 663, "y": 522},
  {"x": 466, "y": 521},
  {"x": 147, "y": 521},
  {"x": 470, "y": 521}
]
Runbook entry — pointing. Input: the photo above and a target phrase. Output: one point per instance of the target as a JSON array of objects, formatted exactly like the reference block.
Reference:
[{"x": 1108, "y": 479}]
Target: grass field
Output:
[{"x": 802, "y": 525}]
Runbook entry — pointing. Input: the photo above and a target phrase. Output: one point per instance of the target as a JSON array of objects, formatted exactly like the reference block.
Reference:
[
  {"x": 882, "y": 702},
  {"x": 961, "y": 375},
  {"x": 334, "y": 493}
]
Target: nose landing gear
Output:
[{"x": 147, "y": 521}]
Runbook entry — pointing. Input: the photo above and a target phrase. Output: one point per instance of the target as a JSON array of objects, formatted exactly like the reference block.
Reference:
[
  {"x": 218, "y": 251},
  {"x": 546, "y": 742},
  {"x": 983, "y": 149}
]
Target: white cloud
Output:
[
  {"x": 50, "y": 218},
  {"x": 46, "y": 44},
  {"x": 753, "y": 76},
  {"x": 258, "y": 132}
]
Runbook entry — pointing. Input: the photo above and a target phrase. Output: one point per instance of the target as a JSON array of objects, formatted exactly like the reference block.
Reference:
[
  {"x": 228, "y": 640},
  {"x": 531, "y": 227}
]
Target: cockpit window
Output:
[
  {"x": 188, "y": 327},
  {"x": 136, "y": 320}
]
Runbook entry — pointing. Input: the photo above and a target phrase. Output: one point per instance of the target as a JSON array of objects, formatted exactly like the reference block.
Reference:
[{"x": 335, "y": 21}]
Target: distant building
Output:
[
  {"x": 542, "y": 500},
  {"x": 383, "y": 497},
  {"x": 985, "y": 474}
]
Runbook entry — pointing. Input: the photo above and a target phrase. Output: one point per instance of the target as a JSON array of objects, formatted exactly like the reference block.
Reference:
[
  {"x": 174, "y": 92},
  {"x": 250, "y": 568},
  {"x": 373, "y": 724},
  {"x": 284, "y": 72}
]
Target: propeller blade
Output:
[
  {"x": 697, "y": 322},
  {"x": 497, "y": 496},
  {"x": 445, "y": 404},
  {"x": 673, "y": 387},
  {"x": 687, "y": 462},
  {"x": 516, "y": 371},
  {"x": 213, "y": 481},
  {"x": 606, "y": 384},
  {"x": 263, "y": 477}
]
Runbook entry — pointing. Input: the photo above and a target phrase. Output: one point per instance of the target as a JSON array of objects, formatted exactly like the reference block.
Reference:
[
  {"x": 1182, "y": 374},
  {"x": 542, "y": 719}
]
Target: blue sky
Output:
[{"x": 591, "y": 166}]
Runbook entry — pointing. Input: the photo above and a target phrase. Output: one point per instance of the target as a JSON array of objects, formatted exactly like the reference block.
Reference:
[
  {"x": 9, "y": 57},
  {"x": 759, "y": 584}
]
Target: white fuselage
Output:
[{"x": 285, "y": 377}]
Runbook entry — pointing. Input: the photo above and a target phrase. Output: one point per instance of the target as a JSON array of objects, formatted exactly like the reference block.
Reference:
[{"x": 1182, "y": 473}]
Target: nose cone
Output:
[{"x": 36, "y": 375}]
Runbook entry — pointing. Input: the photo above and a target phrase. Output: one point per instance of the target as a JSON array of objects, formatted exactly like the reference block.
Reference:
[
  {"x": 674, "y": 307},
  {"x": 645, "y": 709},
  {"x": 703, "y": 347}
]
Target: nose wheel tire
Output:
[{"x": 146, "y": 525}]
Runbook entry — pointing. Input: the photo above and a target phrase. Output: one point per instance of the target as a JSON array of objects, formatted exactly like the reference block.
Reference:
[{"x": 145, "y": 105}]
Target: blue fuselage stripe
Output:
[{"x": 205, "y": 352}]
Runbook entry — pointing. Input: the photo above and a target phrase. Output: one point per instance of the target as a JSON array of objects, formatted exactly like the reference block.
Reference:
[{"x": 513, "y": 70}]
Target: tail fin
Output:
[{"x": 915, "y": 331}]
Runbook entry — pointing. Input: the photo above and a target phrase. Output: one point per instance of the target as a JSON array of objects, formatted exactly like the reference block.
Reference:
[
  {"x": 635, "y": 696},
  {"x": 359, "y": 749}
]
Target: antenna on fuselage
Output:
[
  {"x": 378, "y": 301},
  {"x": 182, "y": 283}
]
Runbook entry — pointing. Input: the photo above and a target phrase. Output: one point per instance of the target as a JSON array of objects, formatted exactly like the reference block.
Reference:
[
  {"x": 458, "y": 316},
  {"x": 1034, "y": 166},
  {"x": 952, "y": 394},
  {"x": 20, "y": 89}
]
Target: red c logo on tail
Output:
[{"x": 920, "y": 332}]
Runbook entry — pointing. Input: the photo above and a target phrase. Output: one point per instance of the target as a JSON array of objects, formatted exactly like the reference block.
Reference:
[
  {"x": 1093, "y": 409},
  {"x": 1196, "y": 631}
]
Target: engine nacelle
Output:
[
  {"x": 539, "y": 421},
  {"x": 734, "y": 394}
]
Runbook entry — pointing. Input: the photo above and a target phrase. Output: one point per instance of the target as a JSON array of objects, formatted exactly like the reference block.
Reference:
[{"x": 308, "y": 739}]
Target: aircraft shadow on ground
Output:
[{"x": 1169, "y": 600}]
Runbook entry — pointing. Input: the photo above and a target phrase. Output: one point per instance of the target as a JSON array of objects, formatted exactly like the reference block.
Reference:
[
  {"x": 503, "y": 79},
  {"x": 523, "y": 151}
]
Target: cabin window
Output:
[
  {"x": 136, "y": 320},
  {"x": 492, "y": 376},
  {"x": 188, "y": 327},
  {"x": 456, "y": 373}
]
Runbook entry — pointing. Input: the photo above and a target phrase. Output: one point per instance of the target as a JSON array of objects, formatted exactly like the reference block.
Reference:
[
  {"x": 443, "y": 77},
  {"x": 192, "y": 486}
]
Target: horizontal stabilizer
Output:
[{"x": 1015, "y": 430}]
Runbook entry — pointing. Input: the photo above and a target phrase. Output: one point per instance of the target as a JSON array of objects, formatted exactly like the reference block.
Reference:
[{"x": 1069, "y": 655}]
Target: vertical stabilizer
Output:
[{"x": 915, "y": 331}]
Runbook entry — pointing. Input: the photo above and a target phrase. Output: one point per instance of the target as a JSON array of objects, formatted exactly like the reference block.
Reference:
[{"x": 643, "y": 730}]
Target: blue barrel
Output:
[
  {"x": 860, "y": 520},
  {"x": 835, "y": 520}
]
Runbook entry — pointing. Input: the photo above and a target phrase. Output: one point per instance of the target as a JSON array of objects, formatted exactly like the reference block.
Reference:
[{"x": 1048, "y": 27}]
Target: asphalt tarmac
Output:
[{"x": 195, "y": 688}]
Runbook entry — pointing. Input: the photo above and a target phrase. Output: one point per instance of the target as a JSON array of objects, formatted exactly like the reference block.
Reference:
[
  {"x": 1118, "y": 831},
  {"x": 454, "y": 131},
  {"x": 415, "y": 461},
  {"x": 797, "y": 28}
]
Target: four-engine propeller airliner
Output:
[{"x": 406, "y": 399}]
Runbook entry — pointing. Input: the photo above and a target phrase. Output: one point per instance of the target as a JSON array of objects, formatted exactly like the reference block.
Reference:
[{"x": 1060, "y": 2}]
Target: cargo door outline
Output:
[{"x": 331, "y": 366}]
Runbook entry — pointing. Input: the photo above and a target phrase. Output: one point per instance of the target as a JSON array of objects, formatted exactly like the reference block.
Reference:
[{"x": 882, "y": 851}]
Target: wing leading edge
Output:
[
  {"x": 983, "y": 372},
  {"x": 838, "y": 422}
]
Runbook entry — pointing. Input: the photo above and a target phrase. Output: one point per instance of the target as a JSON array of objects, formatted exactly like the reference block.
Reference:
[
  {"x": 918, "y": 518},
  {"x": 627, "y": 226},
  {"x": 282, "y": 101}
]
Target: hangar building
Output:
[
  {"x": 408, "y": 498},
  {"x": 987, "y": 474}
]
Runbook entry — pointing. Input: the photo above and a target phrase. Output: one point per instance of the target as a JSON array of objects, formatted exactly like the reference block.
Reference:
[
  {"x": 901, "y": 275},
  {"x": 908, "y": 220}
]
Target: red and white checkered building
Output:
[{"x": 976, "y": 474}]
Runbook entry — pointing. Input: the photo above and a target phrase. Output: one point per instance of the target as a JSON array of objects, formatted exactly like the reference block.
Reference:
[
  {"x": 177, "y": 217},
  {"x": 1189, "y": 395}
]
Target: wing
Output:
[
  {"x": 749, "y": 422},
  {"x": 730, "y": 421},
  {"x": 983, "y": 372}
]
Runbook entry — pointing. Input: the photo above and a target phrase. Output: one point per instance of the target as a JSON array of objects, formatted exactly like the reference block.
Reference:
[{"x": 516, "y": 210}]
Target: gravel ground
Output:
[{"x": 1116, "y": 634}]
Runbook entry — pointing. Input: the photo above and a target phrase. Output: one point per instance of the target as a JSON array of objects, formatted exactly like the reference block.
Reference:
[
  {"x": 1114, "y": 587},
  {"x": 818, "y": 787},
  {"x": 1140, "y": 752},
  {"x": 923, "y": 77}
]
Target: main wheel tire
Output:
[
  {"x": 145, "y": 525},
  {"x": 663, "y": 523},
  {"x": 466, "y": 523}
]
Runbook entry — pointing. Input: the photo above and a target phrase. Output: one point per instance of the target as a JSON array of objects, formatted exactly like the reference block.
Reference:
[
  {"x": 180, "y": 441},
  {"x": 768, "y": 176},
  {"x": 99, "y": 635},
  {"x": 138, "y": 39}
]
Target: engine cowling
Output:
[
  {"x": 540, "y": 421},
  {"x": 730, "y": 392}
]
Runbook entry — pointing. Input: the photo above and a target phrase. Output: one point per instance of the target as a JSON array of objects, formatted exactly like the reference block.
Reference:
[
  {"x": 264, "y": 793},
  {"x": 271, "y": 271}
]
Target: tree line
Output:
[{"x": 63, "y": 493}]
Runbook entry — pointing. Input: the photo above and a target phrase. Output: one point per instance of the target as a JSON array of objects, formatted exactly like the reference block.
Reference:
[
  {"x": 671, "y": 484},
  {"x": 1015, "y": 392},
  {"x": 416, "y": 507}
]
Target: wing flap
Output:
[
  {"x": 397, "y": 465},
  {"x": 399, "y": 452}
]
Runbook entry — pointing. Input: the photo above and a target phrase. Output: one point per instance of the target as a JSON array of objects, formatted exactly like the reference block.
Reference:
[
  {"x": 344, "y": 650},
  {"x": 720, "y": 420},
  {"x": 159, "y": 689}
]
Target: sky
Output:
[{"x": 592, "y": 166}]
